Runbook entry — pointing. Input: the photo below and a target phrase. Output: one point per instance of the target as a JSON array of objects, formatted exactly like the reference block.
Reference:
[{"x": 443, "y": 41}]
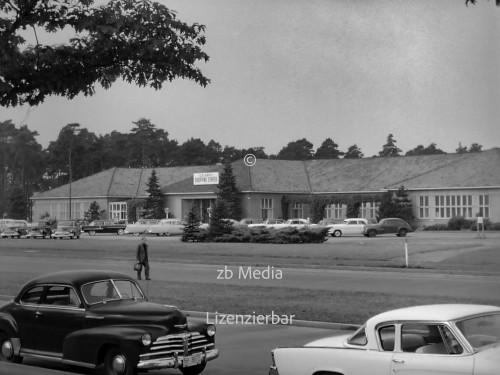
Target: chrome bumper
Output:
[
  {"x": 273, "y": 370},
  {"x": 173, "y": 362}
]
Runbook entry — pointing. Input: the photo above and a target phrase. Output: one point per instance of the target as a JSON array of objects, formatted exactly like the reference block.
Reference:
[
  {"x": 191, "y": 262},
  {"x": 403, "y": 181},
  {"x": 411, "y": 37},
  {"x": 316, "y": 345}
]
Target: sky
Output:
[{"x": 355, "y": 71}]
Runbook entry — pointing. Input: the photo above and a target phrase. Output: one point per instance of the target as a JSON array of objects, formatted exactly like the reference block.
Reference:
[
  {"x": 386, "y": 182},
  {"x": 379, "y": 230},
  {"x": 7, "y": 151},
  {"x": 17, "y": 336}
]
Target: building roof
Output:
[{"x": 446, "y": 171}]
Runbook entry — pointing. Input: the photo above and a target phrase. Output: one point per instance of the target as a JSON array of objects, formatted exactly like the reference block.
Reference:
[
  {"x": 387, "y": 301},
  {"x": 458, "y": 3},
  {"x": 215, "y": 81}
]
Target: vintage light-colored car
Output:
[
  {"x": 454, "y": 339},
  {"x": 235, "y": 224},
  {"x": 267, "y": 223},
  {"x": 167, "y": 227},
  {"x": 292, "y": 223},
  {"x": 348, "y": 226},
  {"x": 140, "y": 226},
  {"x": 13, "y": 228}
]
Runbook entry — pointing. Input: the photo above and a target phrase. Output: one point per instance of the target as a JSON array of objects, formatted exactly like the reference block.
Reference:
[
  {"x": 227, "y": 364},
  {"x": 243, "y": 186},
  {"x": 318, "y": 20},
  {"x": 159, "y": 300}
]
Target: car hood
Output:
[
  {"x": 487, "y": 361},
  {"x": 130, "y": 311},
  {"x": 331, "y": 341}
]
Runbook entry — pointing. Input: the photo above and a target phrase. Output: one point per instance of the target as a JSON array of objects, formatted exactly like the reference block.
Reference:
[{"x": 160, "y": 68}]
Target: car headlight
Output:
[
  {"x": 210, "y": 329},
  {"x": 146, "y": 339}
]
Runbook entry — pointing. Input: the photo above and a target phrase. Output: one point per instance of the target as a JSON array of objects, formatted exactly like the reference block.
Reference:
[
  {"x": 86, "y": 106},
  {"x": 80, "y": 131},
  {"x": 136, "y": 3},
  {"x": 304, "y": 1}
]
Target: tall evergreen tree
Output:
[
  {"x": 228, "y": 193},
  {"x": 93, "y": 213},
  {"x": 153, "y": 208},
  {"x": 390, "y": 149},
  {"x": 353, "y": 152},
  {"x": 328, "y": 150},
  {"x": 396, "y": 204},
  {"x": 191, "y": 229},
  {"x": 218, "y": 224}
]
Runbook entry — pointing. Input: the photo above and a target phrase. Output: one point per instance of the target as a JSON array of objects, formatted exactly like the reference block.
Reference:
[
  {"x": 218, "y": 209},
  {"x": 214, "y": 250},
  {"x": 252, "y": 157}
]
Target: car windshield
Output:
[
  {"x": 481, "y": 331},
  {"x": 111, "y": 290}
]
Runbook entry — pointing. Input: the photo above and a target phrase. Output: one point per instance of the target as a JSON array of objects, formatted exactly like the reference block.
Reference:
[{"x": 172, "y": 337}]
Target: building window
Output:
[
  {"x": 335, "y": 211},
  {"x": 448, "y": 206},
  {"x": 423, "y": 207},
  {"x": 369, "y": 210},
  {"x": 266, "y": 208},
  {"x": 297, "y": 210},
  {"x": 118, "y": 211},
  {"x": 484, "y": 205}
]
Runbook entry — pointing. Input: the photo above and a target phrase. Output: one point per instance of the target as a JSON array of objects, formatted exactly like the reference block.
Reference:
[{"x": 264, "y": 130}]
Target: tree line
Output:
[{"x": 27, "y": 167}]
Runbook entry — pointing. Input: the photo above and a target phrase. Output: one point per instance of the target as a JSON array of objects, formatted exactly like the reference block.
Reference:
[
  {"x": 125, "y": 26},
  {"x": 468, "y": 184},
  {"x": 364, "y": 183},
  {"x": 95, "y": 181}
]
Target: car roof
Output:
[
  {"x": 438, "y": 312},
  {"x": 76, "y": 277}
]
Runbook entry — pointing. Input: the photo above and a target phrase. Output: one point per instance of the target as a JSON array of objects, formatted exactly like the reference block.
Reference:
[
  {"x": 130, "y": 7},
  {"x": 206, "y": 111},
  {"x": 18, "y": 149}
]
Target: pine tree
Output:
[
  {"x": 191, "y": 229},
  {"x": 390, "y": 149},
  {"x": 218, "y": 224},
  {"x": 153, "y": 208},
  {"x": 228, "y": 193},
  {"x": 396, "y": 204},
  {"x": 93, "y": 213}
]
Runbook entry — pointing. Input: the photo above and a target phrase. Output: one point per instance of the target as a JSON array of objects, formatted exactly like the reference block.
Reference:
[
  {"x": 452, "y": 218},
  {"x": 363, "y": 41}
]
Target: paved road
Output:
[
  {"x": 402, "y": 283},
  {"x": 245, "y": 350}
]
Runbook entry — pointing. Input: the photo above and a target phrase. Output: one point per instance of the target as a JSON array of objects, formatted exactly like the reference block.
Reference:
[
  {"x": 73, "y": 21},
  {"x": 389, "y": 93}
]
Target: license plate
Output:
[{"x": 192, "y": 360}]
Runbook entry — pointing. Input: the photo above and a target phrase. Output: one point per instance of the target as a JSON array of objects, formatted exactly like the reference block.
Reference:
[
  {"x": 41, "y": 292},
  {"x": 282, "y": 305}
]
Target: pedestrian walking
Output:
[{"x": 142, "y": 259}]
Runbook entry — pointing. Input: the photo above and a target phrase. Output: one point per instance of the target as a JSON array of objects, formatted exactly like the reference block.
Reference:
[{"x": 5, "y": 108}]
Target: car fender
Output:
[
  {"x": 8, "y": 325},
  {"x": 89, "y": 345}
]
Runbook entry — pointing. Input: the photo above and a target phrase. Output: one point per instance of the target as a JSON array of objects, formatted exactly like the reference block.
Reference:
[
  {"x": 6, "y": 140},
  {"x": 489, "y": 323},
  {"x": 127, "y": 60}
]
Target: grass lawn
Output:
[{"x": 436, "y": 252}]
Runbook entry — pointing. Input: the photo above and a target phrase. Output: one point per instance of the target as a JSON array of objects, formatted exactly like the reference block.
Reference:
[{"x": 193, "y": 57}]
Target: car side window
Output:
[
  {"x": 32, "y": 296},
  {"x": 61, "y": 296},
  {"x": 429, "y": 339},
  {"x": 387, "y": 336},
  {"x": 359, "y": 338}
]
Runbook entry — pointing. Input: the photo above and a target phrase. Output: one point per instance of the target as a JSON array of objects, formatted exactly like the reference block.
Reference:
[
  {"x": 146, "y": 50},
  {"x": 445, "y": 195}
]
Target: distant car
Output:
[
  {"x": 104, "y": 226},
  {"x": 41, "y": 228},
  {"x": 267, "y": 223},
  {"x": 456, "y": 339},
  {"x": 292, "y": 223},
  {"x": 67, "y": 229},
  {"x": 167, "y": 227},
  {"x": 141, "y": 226},
  {"x": 14, "y": 228},
  {"x": 236, "y": 224},
  {"x": 249, "y": 221},
  {"x": 388, "y": 225},
  {"x": 349, "y": 226},
  {"x": 101, "y": 320},
  {"x": 328, "y": 222}
]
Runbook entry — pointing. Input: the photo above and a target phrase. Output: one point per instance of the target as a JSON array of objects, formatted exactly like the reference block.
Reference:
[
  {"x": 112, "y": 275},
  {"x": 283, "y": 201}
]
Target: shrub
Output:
[
  {"x": 436, "y": 227},
  {"x": 458, "y": 223}
]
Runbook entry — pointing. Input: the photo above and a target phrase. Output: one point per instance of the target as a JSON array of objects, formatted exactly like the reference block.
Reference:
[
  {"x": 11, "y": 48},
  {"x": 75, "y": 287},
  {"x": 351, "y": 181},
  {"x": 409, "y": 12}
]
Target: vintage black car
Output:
[
  {"x": 42, "y": 228},
  {"x": 104, "y": 226},
  {"x": 101, "y": 319}
]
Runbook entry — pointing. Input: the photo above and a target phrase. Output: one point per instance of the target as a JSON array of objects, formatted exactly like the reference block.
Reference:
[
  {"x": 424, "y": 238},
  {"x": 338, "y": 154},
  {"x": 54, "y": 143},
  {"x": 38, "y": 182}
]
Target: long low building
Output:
[{"x": 440, "y": 187}]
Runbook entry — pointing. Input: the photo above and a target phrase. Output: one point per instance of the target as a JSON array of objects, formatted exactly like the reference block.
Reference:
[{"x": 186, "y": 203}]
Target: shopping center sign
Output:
[{"x": 210, "y": 178}]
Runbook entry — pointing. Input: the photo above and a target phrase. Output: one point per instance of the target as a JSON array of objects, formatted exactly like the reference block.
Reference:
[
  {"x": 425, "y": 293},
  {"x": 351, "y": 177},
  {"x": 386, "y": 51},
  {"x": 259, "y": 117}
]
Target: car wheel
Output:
[
  {"x": 372, "y": 233},
  {"x": 337, "y": 233},
  {"x": 402, "y": 232},
  {"x": 193, "y": 370},
  {"x": 120, "y": 232},
  {"x": 7, "y": 350},
  {"x": 117, "y": 362},
  {"x": 137, "y": 234},
  {"x": 91, "y": 232}
]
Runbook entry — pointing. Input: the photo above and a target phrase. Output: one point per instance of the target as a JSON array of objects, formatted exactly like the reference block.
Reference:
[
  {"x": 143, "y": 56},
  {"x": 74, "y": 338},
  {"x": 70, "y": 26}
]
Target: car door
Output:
[
  {"x": 24, "y": 314},
  {"x": 59, "y": 313},
  {"x": 430, "y": 349}
]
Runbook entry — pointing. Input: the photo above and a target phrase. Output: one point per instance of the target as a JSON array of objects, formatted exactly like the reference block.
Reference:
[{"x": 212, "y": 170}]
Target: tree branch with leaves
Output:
[{"x": 140, "y": 41}]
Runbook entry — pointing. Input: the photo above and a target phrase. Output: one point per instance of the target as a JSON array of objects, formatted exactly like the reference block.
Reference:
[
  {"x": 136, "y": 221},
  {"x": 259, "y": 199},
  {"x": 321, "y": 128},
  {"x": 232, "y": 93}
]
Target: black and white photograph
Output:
[{"x": 275, "y": 187}]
